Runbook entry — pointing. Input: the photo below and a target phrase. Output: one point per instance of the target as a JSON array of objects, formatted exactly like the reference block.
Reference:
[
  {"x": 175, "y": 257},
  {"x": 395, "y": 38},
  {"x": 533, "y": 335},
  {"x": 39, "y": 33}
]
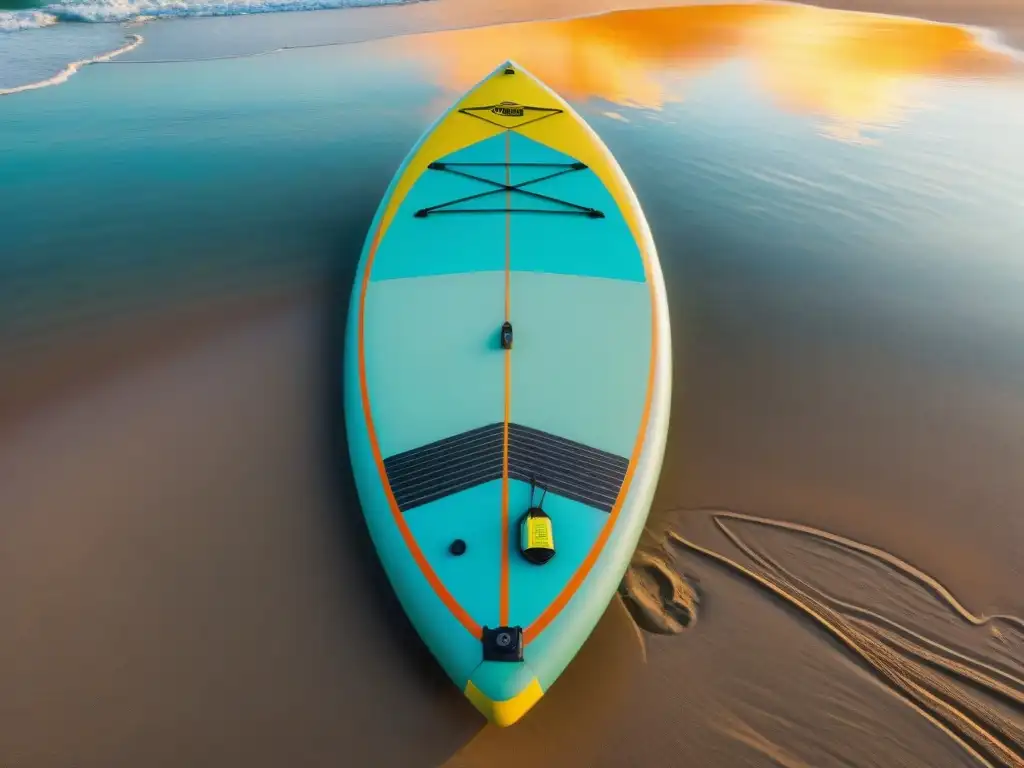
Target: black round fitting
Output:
[{"x": 457, "y": 547}]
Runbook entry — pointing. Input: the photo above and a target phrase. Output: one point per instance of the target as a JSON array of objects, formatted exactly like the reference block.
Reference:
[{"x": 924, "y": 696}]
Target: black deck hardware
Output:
[
  {"x": 506, "y": 335},
  {"x": 569, "y": 207},
  {"x": 503, "y": 644},
  {"x": 457, "y": 547}
]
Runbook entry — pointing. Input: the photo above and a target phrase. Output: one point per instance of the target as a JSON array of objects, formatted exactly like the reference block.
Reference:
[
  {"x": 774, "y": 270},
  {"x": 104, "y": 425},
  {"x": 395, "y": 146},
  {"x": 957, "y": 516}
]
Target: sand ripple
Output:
[{"x": 976, "y": 700}]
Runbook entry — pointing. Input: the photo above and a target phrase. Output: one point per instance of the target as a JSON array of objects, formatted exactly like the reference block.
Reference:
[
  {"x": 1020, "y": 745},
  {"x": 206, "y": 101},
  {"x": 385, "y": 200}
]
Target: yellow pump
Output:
[{"x": 536, "y": 532}]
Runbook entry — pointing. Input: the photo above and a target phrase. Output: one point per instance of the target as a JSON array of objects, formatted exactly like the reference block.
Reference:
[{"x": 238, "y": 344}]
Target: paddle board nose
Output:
[{"x": 503, "y": 692}]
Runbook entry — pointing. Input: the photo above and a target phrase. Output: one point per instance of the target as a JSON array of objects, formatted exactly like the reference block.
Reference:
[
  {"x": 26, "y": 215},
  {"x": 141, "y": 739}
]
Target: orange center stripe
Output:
[{"x": 503, "y": 594}]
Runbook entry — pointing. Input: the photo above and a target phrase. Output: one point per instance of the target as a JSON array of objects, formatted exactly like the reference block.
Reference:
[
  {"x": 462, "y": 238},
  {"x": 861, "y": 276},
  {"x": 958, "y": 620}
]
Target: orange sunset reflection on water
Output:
[{"x": 853, "y": 69}]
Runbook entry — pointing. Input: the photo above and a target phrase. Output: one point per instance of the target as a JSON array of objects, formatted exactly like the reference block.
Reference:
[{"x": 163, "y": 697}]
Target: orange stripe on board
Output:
[
  {"x": 504, "y": 588},
  {"x": 508, "y": 227},
  {"x": 533, "y": 631},
  {"x": 410, "y": 541}
]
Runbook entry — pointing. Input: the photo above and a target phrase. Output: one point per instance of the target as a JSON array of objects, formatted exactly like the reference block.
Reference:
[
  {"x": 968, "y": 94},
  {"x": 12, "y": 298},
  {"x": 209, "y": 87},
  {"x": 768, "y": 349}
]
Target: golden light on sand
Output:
[{"x": 851, "y": 68}]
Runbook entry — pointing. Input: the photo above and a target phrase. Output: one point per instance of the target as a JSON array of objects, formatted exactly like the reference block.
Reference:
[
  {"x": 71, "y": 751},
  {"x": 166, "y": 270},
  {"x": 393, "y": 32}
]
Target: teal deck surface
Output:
[
  {"x": 443, "y": 243},
  {"x": 473, "y": 578},
  {"x": 433, "y": 365},
  {"x": 583, "y": 349}
]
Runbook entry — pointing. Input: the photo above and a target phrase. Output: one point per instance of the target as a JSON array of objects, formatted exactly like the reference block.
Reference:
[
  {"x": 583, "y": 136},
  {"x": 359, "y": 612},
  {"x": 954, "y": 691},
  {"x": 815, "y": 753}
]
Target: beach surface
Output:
[{"x": 831, "y": 574}]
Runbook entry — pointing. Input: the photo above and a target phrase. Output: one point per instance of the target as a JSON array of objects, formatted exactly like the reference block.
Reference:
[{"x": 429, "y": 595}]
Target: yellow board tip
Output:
[{"x": 507, "y": 712}]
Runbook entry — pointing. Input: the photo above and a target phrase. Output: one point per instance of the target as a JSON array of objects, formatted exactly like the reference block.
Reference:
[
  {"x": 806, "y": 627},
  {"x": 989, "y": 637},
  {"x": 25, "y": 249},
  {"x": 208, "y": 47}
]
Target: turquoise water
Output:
[{"x": 131, "y": 182}]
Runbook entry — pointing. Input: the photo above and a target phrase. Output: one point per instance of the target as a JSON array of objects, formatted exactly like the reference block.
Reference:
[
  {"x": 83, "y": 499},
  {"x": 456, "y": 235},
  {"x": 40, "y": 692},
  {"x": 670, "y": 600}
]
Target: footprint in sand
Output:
[{"x": 658, "y": 598}]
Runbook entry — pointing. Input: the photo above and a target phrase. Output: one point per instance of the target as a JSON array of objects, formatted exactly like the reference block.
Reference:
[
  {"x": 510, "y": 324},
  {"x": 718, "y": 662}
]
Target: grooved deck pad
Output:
[{"x": 509, "y": 208}]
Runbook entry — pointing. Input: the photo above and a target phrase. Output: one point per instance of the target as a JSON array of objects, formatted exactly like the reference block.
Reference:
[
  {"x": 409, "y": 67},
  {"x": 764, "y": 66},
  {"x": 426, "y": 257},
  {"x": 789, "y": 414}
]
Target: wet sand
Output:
[
  {"x": 185, "y": 578},
  {"x": 1005, "y": 16}
]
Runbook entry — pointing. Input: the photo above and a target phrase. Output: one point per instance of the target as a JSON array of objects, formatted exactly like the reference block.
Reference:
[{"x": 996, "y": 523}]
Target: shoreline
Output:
[
  {"x": 993, "y": 28},
  {"x": 132, "y": 42}
]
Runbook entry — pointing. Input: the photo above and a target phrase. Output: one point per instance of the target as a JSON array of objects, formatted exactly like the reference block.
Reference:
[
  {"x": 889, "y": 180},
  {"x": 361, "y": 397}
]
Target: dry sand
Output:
[{"x": 215, "y": 601}]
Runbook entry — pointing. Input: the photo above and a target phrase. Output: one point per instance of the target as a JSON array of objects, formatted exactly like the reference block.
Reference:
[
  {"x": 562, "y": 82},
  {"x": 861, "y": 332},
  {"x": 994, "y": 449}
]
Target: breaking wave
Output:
[{"x": 16, "y": 21}]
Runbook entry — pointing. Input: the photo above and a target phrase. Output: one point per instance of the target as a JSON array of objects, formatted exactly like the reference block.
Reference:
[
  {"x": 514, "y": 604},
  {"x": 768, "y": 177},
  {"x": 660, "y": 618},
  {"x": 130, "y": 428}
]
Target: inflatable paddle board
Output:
[{"x": 507, "y": 380}]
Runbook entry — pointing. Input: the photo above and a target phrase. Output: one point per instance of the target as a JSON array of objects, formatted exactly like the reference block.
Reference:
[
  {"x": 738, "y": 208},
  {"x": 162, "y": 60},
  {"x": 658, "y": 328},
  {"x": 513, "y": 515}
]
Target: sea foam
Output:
[
  {"x": 105, "y": 11},
  {"x": 16, "y": 21},
  {"x": 131, "y": 42}
]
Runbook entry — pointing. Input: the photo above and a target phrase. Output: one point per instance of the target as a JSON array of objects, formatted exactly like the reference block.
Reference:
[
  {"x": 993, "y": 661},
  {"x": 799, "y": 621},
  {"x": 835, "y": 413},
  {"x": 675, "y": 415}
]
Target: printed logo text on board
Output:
[{"x": 508, "y": 109}]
